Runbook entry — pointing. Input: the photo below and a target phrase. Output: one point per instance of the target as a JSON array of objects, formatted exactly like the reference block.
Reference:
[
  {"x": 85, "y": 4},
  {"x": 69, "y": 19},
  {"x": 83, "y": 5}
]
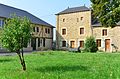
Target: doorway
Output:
[
  {"x": 107, "y": 45},
  {"x": 33, "y": 43}
]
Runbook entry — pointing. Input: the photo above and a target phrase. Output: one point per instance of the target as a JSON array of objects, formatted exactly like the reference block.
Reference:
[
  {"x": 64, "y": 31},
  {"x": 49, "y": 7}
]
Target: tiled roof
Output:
[
  {"x": 75, "y": 9},
  {"x": 6, "y": 11}
]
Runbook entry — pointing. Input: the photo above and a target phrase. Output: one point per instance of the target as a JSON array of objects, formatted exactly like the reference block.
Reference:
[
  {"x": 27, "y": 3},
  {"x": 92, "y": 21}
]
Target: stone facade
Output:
[
  {"x": 73, "y": 21},
  {"x": 112, "y": 34}
]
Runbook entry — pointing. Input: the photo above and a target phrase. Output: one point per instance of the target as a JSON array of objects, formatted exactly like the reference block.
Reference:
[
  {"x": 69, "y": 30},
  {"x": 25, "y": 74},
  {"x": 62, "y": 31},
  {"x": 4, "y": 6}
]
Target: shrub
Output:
[{"x": 90, "y": 44}]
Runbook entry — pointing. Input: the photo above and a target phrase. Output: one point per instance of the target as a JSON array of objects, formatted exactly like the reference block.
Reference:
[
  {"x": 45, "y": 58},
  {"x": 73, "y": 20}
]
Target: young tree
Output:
[
  {"x": 106, "y": 11},
  {"x": 16, "y": 35},
  {"x": 90, "y": 44}
]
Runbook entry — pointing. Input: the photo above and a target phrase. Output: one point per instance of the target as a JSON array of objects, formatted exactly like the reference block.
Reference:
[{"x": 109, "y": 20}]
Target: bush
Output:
[{"x": 90, "y": 44}]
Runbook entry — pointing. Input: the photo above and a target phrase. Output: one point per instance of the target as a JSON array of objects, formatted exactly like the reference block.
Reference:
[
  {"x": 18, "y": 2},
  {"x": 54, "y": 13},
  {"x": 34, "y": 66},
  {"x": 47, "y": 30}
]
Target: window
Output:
[
  {"x": 104, "y": 32},
  {"x": 48, "y": 31},
  {"x": 63, "y": 31},
  {"x": 45, "y": 30},
  {"x": 81, "y": 30},
  {"x": 98, "y": 41},
  {"x": 33, "y": 29},
  {"x": 37, "y": 29},
  {"x": 63, "y": 43},
  {"x": 77, "y": 19},
  {"x": 81, "y": 44},
  {"x": 38, "y": 42},
  {"x": 81, "y": 18},
  {"x": 43, "y": 42},
  {"x": 64, "y": 20},
  {"x": 1, "y": 23},
  {"x": 72, "y": 44}
]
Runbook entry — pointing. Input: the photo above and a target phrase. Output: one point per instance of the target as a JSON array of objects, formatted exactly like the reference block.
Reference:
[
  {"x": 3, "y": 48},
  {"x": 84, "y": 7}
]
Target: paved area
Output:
[{"x": 12, "y": 54}]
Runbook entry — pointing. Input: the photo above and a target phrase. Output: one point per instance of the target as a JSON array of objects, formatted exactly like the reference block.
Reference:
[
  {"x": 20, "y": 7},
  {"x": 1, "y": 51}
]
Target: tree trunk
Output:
[
  {"x": 24, "y": 65},
  {"x": 22, "y": 60}
]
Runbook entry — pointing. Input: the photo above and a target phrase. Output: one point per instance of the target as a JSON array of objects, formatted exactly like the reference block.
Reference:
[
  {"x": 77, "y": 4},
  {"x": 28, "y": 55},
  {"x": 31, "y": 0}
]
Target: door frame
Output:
[{"x": 109, "y": 44}]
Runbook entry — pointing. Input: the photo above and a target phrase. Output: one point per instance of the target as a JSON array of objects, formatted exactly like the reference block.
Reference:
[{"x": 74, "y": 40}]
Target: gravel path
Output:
[{"x": 12, "y": 54}]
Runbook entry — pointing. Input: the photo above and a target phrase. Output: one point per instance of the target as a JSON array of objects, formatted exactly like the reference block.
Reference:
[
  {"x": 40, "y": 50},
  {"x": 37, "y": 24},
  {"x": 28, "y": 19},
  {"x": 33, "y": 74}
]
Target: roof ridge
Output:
[
  {"x": 74, "y": 9},
  {"x": 78, "y": 7}
]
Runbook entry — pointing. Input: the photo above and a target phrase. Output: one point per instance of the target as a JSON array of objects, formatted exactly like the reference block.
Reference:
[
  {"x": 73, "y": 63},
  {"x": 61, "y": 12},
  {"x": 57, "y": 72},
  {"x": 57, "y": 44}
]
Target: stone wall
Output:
[
  {"x": 112, "y": 34},
  {"x": 73, "y": 25}
]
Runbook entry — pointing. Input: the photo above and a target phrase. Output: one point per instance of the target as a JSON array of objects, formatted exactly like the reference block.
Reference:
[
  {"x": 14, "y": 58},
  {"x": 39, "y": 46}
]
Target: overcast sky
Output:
[{"x": 45, "y": 9}]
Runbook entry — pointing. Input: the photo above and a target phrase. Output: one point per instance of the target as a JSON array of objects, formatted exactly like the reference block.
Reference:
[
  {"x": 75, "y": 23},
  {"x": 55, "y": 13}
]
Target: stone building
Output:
[
  {"x": 75, "y": 24},
  {"x": 42, "y": 36}
]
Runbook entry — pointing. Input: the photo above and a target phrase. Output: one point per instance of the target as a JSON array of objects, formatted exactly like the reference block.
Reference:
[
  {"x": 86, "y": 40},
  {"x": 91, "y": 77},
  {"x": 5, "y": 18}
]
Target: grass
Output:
[{"x": 62, "y": 65}]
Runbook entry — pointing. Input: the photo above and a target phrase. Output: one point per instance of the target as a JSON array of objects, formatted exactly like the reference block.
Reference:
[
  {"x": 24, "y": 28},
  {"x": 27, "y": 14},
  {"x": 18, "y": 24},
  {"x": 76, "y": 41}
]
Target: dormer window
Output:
[{"x": 1, "y": 23}]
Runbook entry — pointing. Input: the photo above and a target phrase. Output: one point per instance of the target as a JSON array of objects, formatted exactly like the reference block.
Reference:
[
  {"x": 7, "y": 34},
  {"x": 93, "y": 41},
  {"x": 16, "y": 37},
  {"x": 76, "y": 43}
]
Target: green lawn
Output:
[{"x": 62, "y": 65}]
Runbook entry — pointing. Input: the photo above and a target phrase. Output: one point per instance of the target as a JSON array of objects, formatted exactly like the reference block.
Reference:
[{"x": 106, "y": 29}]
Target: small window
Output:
[
  {"x": 33, "y": 29},
  {"x": 64, "y": 20},
  {"x": 43, "y": 42},
  {"x": 98, "y": 41},
  {"x": 77, "y": 19},
  {"x": 81, "y": 44},
  {"x": 1, "y": 23},
  {"x": 63, "y": 31},
  {"x": 38, "y": 42},
  {"x": 81, "y": 30},
  {"x": 81, "y": 18},
  {"x": 37, "y": 29},
  {"x": 46, "y": 30},
  {"x": 104, "y": 32},
  {"x": 63, "y": 43}
]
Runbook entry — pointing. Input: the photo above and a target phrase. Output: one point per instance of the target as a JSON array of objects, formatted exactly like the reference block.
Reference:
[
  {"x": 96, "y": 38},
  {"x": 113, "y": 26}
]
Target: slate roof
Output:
[
  {"x": 74, "y": 9},
  {"x": 6, "y": 11},
  {"x": 96, "y": 24}
]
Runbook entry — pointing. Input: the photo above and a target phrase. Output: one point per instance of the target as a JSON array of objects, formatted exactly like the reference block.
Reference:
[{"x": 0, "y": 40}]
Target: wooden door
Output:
[
  {"x": 72, "y": 44},
  {"x": 107, "y": 45}
]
